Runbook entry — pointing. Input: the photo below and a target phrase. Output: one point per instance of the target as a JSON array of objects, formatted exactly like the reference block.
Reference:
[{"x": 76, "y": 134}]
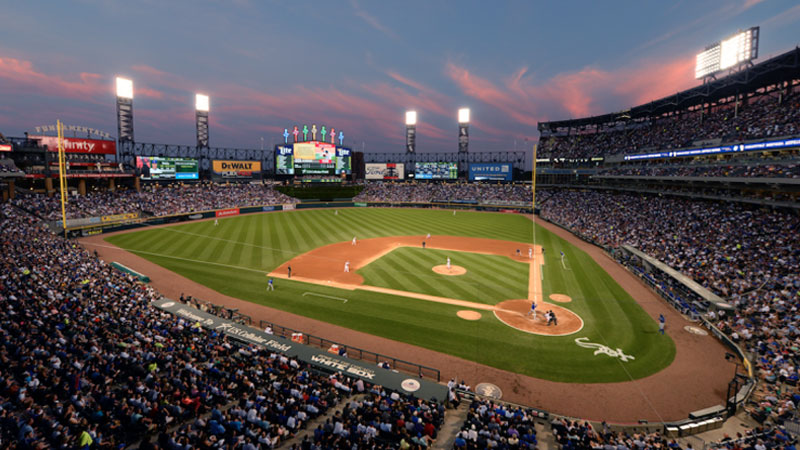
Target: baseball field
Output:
[{"x": 398, "y": 290}]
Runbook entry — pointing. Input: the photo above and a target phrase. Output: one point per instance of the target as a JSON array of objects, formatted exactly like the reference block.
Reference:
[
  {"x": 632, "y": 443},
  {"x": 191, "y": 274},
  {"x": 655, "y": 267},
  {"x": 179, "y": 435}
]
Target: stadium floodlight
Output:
[
  {"x": 124, "y": 88},
  {"x": 411, "y": 132},
  {"x": 463, "y": 115},
  {"x": 411, "y": 117},
  {"x": 201, "y": 102},
  {"x": 740, "y": 48}
]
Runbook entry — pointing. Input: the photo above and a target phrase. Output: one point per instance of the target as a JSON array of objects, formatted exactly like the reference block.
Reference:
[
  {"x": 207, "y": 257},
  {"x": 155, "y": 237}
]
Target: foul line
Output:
[{"x": 343, "y": 300}]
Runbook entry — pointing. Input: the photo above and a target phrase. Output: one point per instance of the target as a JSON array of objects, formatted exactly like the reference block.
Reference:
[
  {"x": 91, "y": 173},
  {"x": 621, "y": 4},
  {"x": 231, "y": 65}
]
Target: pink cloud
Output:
[
  {"x": 22, "y": 76},
  {"x": 580, "y": 93}
]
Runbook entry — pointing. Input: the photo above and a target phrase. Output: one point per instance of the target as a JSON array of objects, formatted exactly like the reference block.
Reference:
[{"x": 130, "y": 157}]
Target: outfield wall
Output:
[{"x": 89, "y": 227}]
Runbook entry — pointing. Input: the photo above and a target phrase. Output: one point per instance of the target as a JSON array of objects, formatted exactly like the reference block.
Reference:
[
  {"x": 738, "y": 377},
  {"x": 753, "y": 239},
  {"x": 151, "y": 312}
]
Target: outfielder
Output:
[
  {"x": 347, "y": 266},
  {"x": 270, "y": 286},
  {"x": 216, "y": 222}
]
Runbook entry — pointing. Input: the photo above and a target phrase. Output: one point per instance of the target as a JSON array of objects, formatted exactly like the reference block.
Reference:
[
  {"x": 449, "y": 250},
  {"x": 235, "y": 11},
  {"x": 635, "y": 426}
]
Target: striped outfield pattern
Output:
[
  {"x": 489, "y": 279},
  {"x": 233, "y": 258}
]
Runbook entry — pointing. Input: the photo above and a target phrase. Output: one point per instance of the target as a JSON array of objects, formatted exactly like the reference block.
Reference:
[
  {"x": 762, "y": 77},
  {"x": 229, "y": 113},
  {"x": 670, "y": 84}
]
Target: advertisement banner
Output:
[
  {"x": 267, "y": 208},
  {"x": 5, "y": 147},
  {"x": 388, "y": 171},
  {"x": 78, "y": 145},
  {"x": 120, "y": 217},
  {"x": 236, "y": 169},
  {"x": 490, "y": 171},
  {"x": 227, "y": 212},
  {"x": 288, "y": 206}
]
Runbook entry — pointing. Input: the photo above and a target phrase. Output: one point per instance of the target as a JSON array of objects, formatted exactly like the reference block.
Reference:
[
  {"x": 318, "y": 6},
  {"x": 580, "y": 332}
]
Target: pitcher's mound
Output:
[
  {"x": 514, "y": 313},
  {"x": 453, "y": 270},
  {"x": 561, "y": 298}
]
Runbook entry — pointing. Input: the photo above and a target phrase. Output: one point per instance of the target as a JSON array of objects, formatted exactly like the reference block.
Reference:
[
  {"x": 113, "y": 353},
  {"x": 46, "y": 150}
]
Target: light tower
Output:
[
  {"x": 124, "y": 118},
  {"x": 124, "y": 110},
  {"x": 411, "y": 131},
  {"x": 201, "y": 104},
  {"x": 463, "y": 140}
]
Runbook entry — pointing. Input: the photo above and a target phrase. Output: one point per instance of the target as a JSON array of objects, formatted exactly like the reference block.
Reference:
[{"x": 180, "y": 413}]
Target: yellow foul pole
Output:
[
  {"x": 533, "y": 205},
  {"x": 62, "y": 181}
]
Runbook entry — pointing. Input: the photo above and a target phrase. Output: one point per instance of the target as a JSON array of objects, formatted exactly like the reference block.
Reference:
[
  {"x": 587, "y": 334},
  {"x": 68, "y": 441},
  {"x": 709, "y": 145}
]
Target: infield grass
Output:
[{"x": 233, "y": 258}]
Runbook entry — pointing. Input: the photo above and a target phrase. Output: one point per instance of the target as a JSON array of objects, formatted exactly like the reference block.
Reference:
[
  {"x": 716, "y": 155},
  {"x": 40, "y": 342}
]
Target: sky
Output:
[{"x": 357, "y": 65}]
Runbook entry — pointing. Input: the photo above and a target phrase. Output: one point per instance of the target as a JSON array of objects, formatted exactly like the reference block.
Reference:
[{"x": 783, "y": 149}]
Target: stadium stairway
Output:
[
  {"x": 310, "y": 426},
  {"x": 453, "y": 421}
]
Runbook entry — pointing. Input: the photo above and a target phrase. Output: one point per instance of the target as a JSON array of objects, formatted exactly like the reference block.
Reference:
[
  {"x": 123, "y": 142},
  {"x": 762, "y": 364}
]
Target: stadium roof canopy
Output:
[{"x": 781, "y": 68}]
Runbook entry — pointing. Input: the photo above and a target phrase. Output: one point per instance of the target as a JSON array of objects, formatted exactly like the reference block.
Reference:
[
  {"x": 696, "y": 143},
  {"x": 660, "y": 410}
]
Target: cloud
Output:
[
  {"x": 373, "y": 21},
  {"x": 584, "y": 92},
  {"x": 22, "y": 77}
]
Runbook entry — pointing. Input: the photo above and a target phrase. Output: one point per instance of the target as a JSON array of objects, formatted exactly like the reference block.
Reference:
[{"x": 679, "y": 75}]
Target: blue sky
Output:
[{"x": 359, "y": 65}]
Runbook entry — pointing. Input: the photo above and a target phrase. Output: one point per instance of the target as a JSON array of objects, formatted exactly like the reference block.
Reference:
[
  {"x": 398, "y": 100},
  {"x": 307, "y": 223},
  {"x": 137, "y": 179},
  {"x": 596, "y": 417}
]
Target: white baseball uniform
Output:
[
  {"x": 347, "y": 266},
  {"x": 448, "y": 263},
  {"x": 354, "y": 240}
]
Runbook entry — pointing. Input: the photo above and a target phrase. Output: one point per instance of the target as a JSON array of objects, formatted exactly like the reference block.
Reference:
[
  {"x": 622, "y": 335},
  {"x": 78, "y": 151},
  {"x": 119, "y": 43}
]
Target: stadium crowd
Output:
[
  {"x": 381, "y": 420},
  {"x": 762, "y": 117},
  {"x": 86, "y": 361},
  {"x": 444, "y": 192},
  {"x": 496, "y": 425},
  {"x": 747, "y": 256},
  {"x": 739, "y": 170},
  {"x": 154, "y": 200}
]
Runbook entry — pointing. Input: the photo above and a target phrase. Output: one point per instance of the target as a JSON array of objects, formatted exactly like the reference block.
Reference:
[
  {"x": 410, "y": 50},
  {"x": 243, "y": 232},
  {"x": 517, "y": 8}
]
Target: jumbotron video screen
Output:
[{"x": 312, "y": 158}]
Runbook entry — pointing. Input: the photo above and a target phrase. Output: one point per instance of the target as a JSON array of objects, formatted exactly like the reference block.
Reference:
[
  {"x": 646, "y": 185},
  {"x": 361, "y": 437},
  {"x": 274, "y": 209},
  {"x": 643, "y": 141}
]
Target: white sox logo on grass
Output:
[{"x": 600, "y": 348}]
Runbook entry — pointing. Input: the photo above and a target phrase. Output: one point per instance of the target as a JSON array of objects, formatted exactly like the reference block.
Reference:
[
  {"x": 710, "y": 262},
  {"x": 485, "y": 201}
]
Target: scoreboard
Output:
[{"x": 312, "y": 158}]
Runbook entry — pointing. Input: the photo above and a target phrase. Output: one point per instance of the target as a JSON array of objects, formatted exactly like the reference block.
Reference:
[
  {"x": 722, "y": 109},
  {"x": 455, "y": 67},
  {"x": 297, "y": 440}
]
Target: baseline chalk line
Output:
[{"x": 343, "y": 300}]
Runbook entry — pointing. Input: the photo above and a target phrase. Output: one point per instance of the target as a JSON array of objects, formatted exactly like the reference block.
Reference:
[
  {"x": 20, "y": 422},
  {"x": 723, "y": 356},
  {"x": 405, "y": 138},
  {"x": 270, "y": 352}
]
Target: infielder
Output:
[
  {"x": 530, "y": 253},
  {"x": 532, "y": 312},
  {"x": 354, "y": 240},
  {"x": 347, "y": 266},
  {"x": 428, "y": 236},
  {"x": 448, "y": 263}
]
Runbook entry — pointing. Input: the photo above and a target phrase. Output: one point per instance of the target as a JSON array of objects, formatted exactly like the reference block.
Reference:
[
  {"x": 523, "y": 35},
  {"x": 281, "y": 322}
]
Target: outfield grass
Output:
[
  {"x": 233, "y": 257},
  {"x": 489, "y": 279}
]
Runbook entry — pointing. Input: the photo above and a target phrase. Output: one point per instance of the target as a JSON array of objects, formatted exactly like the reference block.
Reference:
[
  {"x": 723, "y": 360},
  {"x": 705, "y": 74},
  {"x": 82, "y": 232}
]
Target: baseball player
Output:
[
  {"x": 423, "y": 244},
  {"x": 289, "y": 269},
  {"x": 662, "y": 323},
  {"x": 428, "y": 236},
  {"x": 354, "y": 240},
  {"x": 336, "y": 213},
  {"x": 270, "y": 286},
  {"x": 448, "y": 263},
  {"x": 347, "y": 266},
  {"x": 216, "y": 222},
  {"x": 532, "y": 312},
  {"x": 530, "y": 253}
]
